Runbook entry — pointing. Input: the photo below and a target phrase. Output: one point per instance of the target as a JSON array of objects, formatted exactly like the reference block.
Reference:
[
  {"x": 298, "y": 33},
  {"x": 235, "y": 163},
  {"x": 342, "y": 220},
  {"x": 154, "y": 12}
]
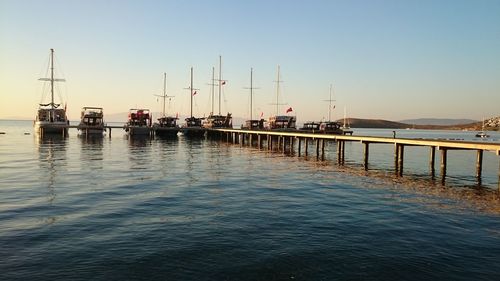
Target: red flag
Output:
[
  {"x": 261, "y": 114},
  {"x": 177, "y": 115},
  {"x": 194, "y": 93},
  {"x": 289, "y": 110}
]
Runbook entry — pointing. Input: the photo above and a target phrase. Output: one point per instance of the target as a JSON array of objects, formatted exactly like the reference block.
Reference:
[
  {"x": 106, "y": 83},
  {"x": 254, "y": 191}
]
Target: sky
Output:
[{"x": 386, "y": 59}]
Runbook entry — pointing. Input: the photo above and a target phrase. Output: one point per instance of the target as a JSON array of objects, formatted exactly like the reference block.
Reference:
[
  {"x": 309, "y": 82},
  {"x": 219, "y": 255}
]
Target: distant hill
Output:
[
  {"x": 437, "y": 121},
  {"x": 373, "y": 123},
  {"x": 385, "y": 124}
]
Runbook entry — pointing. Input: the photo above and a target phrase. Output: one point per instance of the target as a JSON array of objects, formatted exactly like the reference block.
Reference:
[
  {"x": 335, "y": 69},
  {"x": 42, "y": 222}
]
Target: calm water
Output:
[{"x": 118, "y": 209}]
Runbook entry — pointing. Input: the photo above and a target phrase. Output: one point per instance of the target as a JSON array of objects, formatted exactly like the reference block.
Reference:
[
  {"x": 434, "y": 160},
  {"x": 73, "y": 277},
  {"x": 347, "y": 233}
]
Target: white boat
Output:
[
  {"x": 482, "y": 133},
  {"x": 281, "y": 122},
  {"x": 51, "y": 118},
  {"x": 92, "y": 121}
]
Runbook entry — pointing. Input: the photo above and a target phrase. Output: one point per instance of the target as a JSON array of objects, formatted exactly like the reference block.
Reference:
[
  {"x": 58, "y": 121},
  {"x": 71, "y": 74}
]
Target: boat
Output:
[
  {"x": 166, "y": 125},
  {"x": 482, "y": 133},
  {"x": 51, "y": 118},
  {"x": 214, "y": 121},
  {"x": 91, "y": 121},
  {"x": 324, "y": 127},
  {"x": 311, "y": 127},
  {"x": 333, "y": 128},
  {"x": 192, "y": 127},
  {"x": 139, "y": 122},
  {"x": 252, "y": 124},
  {"x": 281, "y": 122}
]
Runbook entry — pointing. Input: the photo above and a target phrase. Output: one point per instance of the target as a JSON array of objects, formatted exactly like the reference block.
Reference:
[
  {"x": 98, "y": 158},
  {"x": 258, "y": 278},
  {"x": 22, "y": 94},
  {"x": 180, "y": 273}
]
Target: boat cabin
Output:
[
  {"x": 139, "y": 117},
  {"x": 331, "y": 127},
  {"x": 218, "y": 121},
  {"x": 167, "y": 121},
  {"x": 253, "y": 125},
  {"x": 311, "y": 127},
  {"x": 92, "y": 116},
  {"x": 193, "y": 122},
  {"x": 282, "y": 122}
]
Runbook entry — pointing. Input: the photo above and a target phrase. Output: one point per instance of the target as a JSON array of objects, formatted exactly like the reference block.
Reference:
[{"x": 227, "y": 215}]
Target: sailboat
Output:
[
  {"x": 330, "y": 127},
  {"x": 50, "y": 118},
  {"x": 166, "y": 125},
  {"x": 252, "y": 124},
  {"x": 281, "y": 122},
  {"x": 213, "y": 120},
  {"x": 192, "y": 127},
  {"x": 482, "y": 133}
]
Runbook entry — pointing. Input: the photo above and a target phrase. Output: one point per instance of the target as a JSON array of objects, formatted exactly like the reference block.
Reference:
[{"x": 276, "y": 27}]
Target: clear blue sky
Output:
[{"x": 386, "y": 59}]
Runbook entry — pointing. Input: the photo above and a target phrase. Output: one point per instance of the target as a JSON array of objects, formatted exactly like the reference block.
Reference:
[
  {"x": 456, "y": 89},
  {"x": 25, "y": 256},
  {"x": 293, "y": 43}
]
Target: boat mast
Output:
[
  {"x": 330, "y": 104},
  {"x": 251, "y": 92},
  {"x": 191, "y": 87},
  {"x": 164, "y": 91},
  {"x": 220, "y": 79},
  {"x": 345, "y": 113},
  {"x": 213, "y": 88},
  {"x": 278, "y": 90},
  {"x": 52, "y": 78}
]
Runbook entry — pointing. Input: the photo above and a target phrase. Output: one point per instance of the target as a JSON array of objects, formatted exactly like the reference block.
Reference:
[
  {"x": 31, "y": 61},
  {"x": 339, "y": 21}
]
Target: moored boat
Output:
[
  {"x": 166, "y": 125},
  {"x": 91, "y": 121},
  {"x": 281, "y": 122},
  {"x": 139, "y": 122},
  {"x": 193, "y": 126},
  {"x": 252, "y": 124},
  {"x": 214, "y": 121},
  {"x": 51, "y": 118},
  {"x": 311, "y": 127}
]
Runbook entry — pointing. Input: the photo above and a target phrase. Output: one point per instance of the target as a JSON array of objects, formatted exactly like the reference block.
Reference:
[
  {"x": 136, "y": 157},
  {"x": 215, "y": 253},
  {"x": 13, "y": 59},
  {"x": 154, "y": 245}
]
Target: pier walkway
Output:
[{"x": 285, "y": 140}]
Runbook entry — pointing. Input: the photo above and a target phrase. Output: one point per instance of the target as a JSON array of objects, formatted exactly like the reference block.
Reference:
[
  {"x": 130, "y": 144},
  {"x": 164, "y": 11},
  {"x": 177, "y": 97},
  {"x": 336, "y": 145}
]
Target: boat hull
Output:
[
  {"x": 166, "y": 132},
  {"x": 91, "y": 130},
  {"x": 46, "y": 127},
  {"x": 138, "y": 130},
  {"x": 193, "y": 132}
]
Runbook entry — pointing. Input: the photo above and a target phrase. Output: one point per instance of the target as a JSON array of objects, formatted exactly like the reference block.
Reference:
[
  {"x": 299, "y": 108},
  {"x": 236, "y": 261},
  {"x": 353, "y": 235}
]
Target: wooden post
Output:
[
  {"x": 432, "y": 161},
  {"x": 299, "y": 146},
  {"x": 291, "y": 145},
  {"x": 250, "y": 140},
  {"x": 269, "y": 142},
  {"x": 306, "y": 146},
  {"x": 342, "y": 152},
  {"x": 283, "y": 142},
  {"x": 322, "y": 150},
  {"x": 317, "y": 148},
  {"x": 401, "y": 156},
  {"x": 259, "y": 144},
  {"x": 479, "y": 165},
  {"x": 444, "y": 159},
  {"x": 396, "y": 157},
  {"x": 366, "y": 154},
  {"x": 339, "y": 148}
]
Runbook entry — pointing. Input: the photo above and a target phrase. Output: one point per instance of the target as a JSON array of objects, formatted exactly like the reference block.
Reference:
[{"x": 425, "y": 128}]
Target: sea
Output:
[{"x": 119, "y": 208}]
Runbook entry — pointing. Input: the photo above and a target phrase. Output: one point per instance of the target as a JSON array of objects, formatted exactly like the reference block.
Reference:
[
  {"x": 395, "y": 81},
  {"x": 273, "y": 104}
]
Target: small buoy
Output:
[
  {"x": 2, "y": 133},
  {"x": 27, "y": 134}
]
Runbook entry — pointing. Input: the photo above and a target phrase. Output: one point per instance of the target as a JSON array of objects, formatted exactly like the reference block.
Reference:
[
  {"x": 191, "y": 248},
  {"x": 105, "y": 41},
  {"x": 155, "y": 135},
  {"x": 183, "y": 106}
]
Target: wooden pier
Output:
[{"x": 283, "y": 141}]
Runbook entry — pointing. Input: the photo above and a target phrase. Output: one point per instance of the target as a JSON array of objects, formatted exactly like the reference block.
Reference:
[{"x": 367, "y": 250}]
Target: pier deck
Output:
[{"x": 281, "y": 138}]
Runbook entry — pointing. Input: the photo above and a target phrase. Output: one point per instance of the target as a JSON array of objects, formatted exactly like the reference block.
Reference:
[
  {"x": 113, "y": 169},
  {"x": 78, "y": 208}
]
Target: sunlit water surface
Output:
[{"x": 117, "y": 209}]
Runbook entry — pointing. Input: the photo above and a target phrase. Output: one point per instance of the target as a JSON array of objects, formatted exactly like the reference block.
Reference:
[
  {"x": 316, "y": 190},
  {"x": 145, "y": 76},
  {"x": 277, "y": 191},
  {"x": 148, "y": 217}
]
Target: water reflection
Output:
[
  {"x": 52, "y": 160},
  {"x": 91, "y": 156},
  {"x": 140, "y": 152}
]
